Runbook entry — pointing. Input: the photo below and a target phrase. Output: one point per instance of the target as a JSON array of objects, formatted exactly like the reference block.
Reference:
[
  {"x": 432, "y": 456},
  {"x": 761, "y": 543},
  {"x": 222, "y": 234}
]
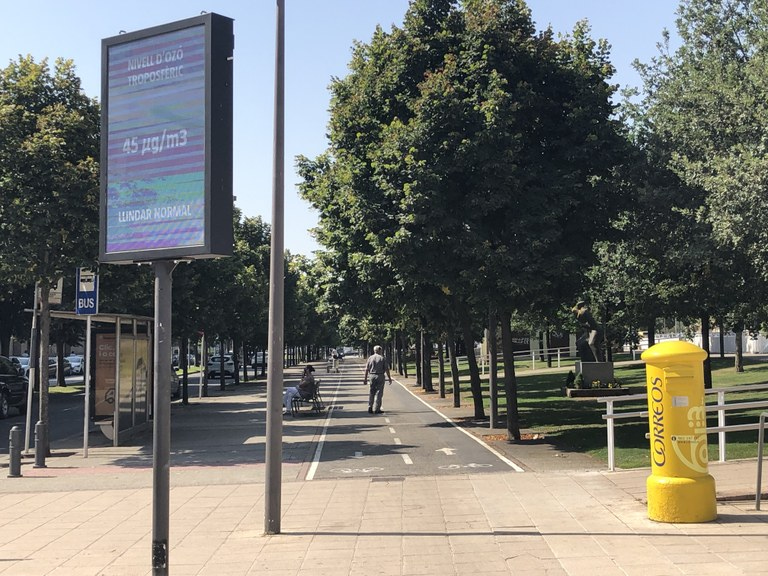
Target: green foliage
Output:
[
  {"x": 702, "y": 123},
  {"x": 49, "y": 180}
]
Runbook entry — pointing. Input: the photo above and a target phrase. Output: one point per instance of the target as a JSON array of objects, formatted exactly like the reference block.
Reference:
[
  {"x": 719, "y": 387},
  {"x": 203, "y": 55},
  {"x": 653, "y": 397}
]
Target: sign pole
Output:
[
  {"x": 161, "y": 442},
  {"x": 87, "y": 415}
]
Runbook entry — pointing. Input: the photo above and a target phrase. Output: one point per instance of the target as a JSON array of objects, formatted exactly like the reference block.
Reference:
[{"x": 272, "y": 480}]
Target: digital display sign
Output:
[{"x": 167, "y": 105}]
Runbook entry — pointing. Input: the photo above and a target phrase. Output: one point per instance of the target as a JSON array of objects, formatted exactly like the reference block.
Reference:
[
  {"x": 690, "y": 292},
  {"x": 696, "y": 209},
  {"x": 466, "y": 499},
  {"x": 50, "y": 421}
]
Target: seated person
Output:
[{"x": 305, "y": 389}]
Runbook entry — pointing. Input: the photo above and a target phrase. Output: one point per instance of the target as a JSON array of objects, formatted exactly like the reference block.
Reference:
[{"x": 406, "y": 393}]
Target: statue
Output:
[{"x": 589, "y": 346}]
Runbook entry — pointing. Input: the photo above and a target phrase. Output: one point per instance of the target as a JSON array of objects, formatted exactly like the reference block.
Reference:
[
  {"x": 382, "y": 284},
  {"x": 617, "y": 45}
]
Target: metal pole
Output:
[
  {"x": 161, "y": 443},
  {"x": 118, "y": 390},
  {"x": 87, "y": 414},
  {"x": 760, "y": 438},
  {"x": 32, "y": 372},
  {"x": 274, "y": 451}
]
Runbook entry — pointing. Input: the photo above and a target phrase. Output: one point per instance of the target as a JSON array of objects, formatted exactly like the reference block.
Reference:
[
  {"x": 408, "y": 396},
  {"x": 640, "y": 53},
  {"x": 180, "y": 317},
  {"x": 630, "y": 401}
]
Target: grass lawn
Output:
[{"x": 577, "y": 425}]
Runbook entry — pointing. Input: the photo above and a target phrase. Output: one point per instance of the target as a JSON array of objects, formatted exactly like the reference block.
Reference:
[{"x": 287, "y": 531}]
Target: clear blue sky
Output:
[{"x": 319, "y": 36}]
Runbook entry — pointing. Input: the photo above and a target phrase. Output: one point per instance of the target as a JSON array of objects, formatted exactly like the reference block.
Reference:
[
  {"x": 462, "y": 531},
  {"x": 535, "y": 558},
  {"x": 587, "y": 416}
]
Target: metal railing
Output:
[
  {"x": 760, "y": 438},
  {"x": 558, "y": 355},
  {"x": 721, "y": 407}
]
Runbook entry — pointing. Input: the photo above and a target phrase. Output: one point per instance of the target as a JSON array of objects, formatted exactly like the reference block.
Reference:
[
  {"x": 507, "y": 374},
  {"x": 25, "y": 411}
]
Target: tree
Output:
[
  {"x": 470, "y": 161},
  {"x": 705, "y": 106},
  {"x": 49, "y": 146}
]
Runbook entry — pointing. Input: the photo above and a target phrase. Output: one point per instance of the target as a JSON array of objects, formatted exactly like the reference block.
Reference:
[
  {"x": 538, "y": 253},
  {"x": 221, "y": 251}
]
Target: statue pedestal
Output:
[{"x": 592, "y": 371}]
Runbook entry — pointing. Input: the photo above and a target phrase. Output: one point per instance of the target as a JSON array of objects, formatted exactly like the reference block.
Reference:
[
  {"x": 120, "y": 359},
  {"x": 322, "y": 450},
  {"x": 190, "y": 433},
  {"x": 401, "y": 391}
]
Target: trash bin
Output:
[{"x": 680, "y": 489}]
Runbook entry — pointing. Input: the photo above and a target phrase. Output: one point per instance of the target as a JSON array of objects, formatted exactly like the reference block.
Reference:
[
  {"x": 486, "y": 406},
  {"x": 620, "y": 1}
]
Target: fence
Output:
[
  {"x": 558, "y": 355},
  {"x": 721, "y": 407}
]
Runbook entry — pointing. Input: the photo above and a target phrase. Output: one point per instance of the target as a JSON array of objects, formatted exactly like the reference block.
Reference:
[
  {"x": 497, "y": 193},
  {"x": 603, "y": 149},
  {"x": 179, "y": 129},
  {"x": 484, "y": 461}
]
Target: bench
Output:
[{"x": 315, "y": 401}]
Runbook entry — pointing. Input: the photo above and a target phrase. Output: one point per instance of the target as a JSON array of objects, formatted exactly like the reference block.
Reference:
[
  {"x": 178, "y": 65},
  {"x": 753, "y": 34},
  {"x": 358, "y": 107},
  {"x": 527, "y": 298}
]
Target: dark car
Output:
[{"x": 13, "y": 388}]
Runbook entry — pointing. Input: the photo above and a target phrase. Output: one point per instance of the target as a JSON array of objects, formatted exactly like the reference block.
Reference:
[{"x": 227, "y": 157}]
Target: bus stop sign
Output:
[{"x": 87, "y": 297}]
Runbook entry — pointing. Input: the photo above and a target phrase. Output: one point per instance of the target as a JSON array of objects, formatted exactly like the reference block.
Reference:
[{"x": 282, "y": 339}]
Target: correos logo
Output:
[{"x": 658, "y": 442}]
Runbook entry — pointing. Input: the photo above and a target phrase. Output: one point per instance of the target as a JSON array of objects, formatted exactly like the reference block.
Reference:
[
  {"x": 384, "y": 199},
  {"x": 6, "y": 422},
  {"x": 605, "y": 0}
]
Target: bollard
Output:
[
  {"x": 40, "y": 444},
  {"x": 14, "y": 452},
  {"x": 680, "y": 489}
]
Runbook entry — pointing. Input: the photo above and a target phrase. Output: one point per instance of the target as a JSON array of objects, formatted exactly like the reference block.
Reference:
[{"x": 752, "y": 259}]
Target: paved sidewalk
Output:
[{"x": 93, "y": 517}]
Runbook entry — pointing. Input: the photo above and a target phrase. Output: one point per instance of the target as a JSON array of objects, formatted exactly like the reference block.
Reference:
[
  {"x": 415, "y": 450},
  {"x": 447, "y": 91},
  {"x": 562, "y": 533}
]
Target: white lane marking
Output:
[
  {"x": 447, "y": 451},
  {"x": 493, "y": 451},
  {"x": 392, "y": 430},
  {"x": 387, "y": 420},
  {"x": 316, "y": 458},
  {"x": 406, "y": 459},
  {"x": 398, "y": 441}
]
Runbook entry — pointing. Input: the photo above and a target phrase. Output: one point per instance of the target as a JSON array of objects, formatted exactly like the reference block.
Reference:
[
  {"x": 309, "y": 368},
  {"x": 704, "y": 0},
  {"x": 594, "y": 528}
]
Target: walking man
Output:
[{"x": 375, "y": 368}]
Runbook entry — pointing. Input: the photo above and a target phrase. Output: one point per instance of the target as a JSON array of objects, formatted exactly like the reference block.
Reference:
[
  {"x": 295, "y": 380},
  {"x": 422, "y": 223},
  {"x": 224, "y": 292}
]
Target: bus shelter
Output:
[{"x": 121, "y": 373}]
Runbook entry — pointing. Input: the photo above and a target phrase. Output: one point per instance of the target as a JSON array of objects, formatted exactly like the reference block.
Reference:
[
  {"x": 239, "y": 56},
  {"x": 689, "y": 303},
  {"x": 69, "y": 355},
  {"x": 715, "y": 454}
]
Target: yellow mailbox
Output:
[{"x": 680, "y": 489}]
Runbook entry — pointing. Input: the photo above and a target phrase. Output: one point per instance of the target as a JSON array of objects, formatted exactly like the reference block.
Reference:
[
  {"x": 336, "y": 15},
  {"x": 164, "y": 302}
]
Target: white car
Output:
[
  {"x": 77, "y": 363},
  {"x": 214, "y": 368}
]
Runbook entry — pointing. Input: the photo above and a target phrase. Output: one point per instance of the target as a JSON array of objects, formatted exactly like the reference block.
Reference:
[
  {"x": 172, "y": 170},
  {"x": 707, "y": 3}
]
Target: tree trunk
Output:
[
  {"x": 184, "y": 361},
  {"x": 454, "y": 374},
  {"x": 441, "y": 368},
  {"x": 739, "y": 356},
  {"x": 42, "y": 362},
  {"x": 426, "y": 357},
  {"x": 404, "y": 345},
  {"x": 245, "y": 356},
  {"x": 705, "y": 346},
  {"x": 510, "y": 379},
  {"x": 651, "y": 332},
  {"x": 60, "y": 376},
  {"x": 722, "y": 339},
  {"x": 222, "y": 376},
  {"x": 493, "y": 388},
  {"x": 418, "y": 367},
  {"x": 549, "y": 347},
  {"x": 474, "y": 373},
  {"x": 204, "y": 367}
]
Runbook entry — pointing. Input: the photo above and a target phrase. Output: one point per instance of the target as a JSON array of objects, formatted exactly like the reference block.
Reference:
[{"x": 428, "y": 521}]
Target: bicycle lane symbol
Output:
[
  {"x": 459, "y": 466},
  {"x": 357, "y": 470}
]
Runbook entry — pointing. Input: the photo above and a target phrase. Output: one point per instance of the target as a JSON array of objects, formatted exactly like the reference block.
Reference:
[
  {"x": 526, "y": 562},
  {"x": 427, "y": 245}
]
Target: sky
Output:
[{"x": 319, "y": 35}]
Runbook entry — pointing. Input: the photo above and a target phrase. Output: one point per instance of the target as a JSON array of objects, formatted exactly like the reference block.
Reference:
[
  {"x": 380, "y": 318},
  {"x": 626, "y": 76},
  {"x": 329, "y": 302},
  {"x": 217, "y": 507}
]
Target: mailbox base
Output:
[{"x": 681, "y": 499}]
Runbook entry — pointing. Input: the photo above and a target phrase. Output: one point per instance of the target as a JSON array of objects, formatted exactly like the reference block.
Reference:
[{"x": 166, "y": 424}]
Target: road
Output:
[
  {"x": 65, "y": 411},
  {"x": 408, "y": 439}
]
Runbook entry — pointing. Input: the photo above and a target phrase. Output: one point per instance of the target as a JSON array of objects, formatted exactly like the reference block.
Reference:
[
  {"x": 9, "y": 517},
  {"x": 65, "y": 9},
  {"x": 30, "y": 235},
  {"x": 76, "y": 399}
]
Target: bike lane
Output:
[{"x": 409, "y": 439}]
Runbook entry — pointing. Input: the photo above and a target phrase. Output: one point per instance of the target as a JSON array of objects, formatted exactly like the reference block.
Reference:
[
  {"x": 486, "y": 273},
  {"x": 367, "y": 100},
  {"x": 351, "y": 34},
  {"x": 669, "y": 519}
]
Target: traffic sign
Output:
[{"x": 87, "y": 297}]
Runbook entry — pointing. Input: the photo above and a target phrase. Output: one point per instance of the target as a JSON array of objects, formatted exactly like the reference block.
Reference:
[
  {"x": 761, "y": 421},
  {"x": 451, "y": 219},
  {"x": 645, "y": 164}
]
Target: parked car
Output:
[
  {"x": 213, "y": 368},
  {"x": 175, "y": 385},
  {"x": 65, "y": 366},
  {"x": 191, "y": 361},
  {"x": 13, "y": 387},
  {"x": 23, "y": 361},
  {"x": 77, "y": 363}
]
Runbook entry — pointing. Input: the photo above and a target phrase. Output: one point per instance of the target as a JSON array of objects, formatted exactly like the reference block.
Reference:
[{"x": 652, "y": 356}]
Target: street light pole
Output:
[{"x": 274, "y": 452}]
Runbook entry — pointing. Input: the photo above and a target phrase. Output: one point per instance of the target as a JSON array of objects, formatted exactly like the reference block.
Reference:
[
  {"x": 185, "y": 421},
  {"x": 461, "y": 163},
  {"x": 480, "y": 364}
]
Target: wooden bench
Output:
[{"x": 315, "y": 401}]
